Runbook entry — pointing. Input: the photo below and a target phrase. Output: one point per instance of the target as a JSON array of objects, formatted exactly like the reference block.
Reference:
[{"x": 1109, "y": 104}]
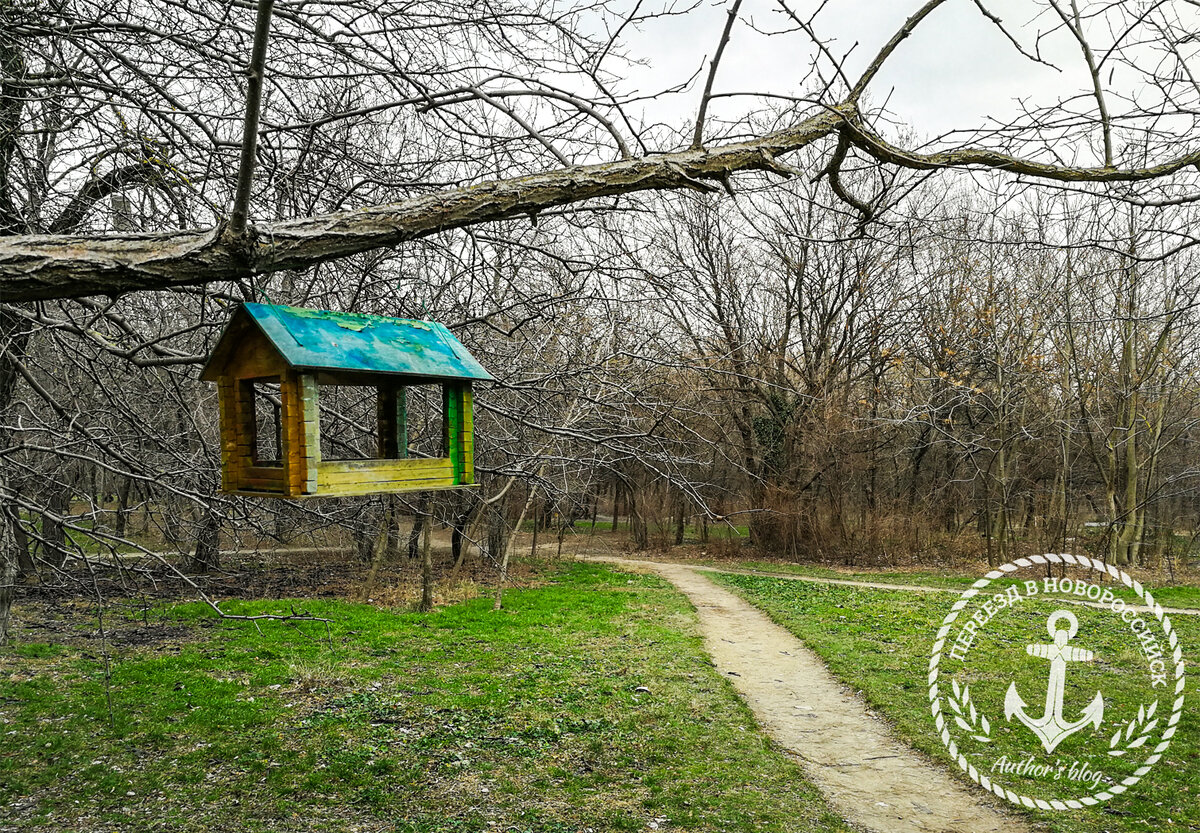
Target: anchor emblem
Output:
[{"x": 1051, "y": 728}]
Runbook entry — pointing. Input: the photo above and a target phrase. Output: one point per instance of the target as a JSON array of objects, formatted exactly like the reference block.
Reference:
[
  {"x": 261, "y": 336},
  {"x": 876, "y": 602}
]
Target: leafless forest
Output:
[{"x": 791, "y": 313}]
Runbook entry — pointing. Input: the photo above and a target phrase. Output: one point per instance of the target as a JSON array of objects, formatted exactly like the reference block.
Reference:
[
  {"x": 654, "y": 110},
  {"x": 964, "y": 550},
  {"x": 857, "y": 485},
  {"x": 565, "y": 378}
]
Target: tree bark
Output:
[
  {"x": 25, "y": 564},
  {"x": 8, "y": 571},
  {"x": 420, "y": 520},
  {"x": 35, "y": 267},
  {"x": 38, "y": 267},
  {"x": 637, "y": 522},
  {"x": 427, "y": 569},
  {"x": 207, "y": 555},
  {"x": 54, "y": 535},
  {"x": 121, "y": 520},
  {"x": 14, "y": 336}
]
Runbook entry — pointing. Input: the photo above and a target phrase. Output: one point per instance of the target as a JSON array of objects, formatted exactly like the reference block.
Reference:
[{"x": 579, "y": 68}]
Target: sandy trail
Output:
[{"x": 868, "y": 776}]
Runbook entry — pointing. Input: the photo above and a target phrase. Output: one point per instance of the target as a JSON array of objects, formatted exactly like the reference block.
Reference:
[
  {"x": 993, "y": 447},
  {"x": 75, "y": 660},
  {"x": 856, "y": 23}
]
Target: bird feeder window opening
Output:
[
  {"x": 396, "y": 395},
  {"x": 390, "y": 421},
  {"x": 268, "y": 422}
]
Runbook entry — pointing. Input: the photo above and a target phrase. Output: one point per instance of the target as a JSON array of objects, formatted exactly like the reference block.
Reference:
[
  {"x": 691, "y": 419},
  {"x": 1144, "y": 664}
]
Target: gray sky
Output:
[{"x": 953, "y": 73}]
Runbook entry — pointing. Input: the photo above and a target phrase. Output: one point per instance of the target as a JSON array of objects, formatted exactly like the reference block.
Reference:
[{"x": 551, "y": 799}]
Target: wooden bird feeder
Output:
[{"x": 296, "y": 352}]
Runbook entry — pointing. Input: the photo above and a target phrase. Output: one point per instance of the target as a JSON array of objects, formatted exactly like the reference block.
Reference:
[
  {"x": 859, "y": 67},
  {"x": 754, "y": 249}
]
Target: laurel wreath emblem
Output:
[
  {"x": 1142, "y": 726},
  {"x": 968, "y": 718}
]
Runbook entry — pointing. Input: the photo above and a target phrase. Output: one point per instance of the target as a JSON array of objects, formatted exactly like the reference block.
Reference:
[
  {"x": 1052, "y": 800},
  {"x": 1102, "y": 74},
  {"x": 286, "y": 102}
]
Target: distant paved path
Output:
[
  {"x": 849, "y": 582},
  {"x": 869, "y": 777}
]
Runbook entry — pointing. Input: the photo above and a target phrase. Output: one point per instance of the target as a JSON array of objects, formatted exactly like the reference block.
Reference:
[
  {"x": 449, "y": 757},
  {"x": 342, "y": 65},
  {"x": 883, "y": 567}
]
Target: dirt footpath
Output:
[{"x": 868, "y": 776}]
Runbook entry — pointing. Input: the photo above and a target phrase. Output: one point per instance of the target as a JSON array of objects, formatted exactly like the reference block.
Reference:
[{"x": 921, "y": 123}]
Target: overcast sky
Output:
[{"x": 953, "y": 73}]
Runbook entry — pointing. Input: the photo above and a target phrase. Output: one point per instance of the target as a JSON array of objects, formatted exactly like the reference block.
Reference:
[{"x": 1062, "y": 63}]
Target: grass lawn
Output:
[
  {"x": 587, "y": 704},
  {"x": 878, "y": 641},
  {"x": 1171, "y": 595}
]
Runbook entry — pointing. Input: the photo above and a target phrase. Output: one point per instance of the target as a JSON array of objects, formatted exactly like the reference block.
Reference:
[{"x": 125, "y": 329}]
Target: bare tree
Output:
[{"x": 462, "y": 104}]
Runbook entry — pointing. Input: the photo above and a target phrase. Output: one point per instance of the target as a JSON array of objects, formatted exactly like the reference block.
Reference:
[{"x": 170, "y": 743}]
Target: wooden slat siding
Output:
[
  {"x": 396, "y": 487},
  {"x": 350, "y": 490},
  {"x": 263, "y": 479},
  {"x": 230, "y": 461},
  {"x": 255, "y": 358},
  {"x": 289, "y": 433},
  {"x": 245, "y": 427},
  {"x": 468, "y": 435},
  {"x": 452, "y": 410},
  {"x": 341, "y": 472},
  {"x": 369, "y": 464},
  {"x": 310, "y": 414}
]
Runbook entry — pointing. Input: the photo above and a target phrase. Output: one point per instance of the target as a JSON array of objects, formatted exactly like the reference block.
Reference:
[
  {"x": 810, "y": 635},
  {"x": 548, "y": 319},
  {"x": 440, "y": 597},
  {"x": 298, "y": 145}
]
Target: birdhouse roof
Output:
[{"x": 311, "y": 339}]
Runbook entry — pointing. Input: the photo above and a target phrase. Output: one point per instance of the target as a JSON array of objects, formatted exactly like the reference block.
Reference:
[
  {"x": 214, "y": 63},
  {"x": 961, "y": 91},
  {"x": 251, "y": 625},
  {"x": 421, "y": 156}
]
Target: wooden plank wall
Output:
[
  {"x": 245, "y": 427},
  {"x": 459, "y": 431},
  {"x": 230, "y": 458},
  {"x": 467, "y": 436},
  {"x": 311, "y": 434},
  {"x": 365, "y": 477}
]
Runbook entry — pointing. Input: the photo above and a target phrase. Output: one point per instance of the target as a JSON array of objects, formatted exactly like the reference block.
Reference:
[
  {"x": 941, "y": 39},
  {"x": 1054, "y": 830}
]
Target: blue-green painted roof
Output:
[{"x": 325, "y": 340}]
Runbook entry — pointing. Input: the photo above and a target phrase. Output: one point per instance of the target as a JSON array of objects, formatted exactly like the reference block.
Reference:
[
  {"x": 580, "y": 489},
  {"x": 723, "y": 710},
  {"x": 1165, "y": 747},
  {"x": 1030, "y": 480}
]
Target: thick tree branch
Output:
[
  {"x": 53, "y": 266},
  {"x": 36, "y": 267}
]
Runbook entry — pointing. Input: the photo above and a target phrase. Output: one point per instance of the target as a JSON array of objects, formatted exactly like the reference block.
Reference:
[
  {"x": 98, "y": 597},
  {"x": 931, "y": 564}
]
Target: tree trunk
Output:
[
  {"x": 123, "y": 493},
  {"x": 8, "y": 573},
  {"x": 171, "y": 526},
  {"x": 420, "y": 520},
  {"x": 207, "y": 555},
  {"x": 14, "y": 336},
  {"x": 680, "y": 519},
  {"x": 54, "y": 534},
  {"x": 637, "y": 523},
  {"x": 427, "y": 569},
  {"x": 616, "y": 506},
  {"x": 25, "y": 563},
  {"x": 8, "y": 560},
  {"x": 391, "y": 522},
  {"x": 456, "y": 541},
  {"x": 376, "y": 553},
  {"x": 562, "y": 532},
  {"x": 536, "y": 528},
  {"x": 364, "y": 535},
  {"x": 463, "y": 524}
]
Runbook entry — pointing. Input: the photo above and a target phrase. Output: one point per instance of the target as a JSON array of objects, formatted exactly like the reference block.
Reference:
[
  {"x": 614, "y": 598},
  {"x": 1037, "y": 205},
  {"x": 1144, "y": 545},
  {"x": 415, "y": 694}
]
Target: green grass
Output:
[
  {"x": 587, "y": 703},
  {"x": 927, "y": 578},
  {"x": 1176, "y": 595},
  {"x": 878, "y": 641}
]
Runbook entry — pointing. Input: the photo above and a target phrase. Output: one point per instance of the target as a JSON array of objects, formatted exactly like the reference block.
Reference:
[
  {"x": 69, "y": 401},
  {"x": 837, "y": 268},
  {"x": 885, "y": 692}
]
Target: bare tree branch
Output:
[
  {"x": 698, "y": 135},
  {"x": 254, "y": 72}
]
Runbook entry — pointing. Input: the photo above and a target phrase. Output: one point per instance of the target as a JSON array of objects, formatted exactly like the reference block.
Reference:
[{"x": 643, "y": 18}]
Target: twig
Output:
[
  {"x": 254, "y": 72},
  {"x": 698, "y": 136}
]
